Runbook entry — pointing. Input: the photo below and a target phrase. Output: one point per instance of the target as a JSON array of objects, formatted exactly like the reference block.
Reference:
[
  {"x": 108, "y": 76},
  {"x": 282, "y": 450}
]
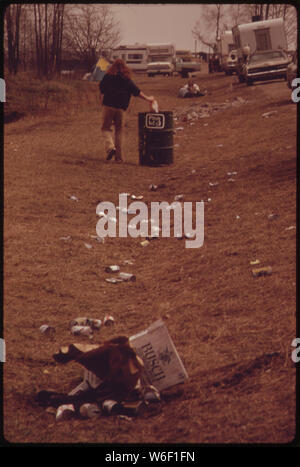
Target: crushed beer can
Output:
[
  {"x": 266, "y": 271},
  {"x": 65, "y": 412},
  {"x": 112, "y": 268},
  {"x": 111, "y": 407},
  {"x": 108, "y": 320},
  {"x": 126, "y": 276},
  {"x": 89, "y": 410},
  {"x": 82, "y": 331}
]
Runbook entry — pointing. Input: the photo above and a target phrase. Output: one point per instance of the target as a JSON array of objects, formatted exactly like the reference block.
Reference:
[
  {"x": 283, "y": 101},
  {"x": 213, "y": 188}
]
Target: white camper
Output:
[
  {"x": 258, "y": 36},
  {"x": 161, "y": 59},
  {"x": 135, "y": 56}
]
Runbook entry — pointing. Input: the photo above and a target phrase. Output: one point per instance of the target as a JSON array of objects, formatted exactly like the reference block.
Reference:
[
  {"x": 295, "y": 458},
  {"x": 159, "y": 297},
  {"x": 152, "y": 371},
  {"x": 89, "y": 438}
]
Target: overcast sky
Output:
[{"x": 146, "y": 23}]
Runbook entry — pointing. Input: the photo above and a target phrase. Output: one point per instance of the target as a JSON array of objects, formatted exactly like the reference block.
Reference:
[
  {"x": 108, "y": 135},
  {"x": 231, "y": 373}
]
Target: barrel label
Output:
[{"x": 155, "y": 120}]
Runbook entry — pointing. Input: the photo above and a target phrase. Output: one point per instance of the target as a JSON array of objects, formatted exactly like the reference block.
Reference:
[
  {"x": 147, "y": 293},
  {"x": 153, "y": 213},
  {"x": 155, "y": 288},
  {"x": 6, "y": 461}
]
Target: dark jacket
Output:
[{"x": 117, "y": 91}]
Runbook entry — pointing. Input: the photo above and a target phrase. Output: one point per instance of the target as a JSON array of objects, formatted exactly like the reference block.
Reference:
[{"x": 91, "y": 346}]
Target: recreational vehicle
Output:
[
  {"x": 258, "y": 36},
  {"x": 161, "y": 59},
  {"x": 135, "y": 56}
]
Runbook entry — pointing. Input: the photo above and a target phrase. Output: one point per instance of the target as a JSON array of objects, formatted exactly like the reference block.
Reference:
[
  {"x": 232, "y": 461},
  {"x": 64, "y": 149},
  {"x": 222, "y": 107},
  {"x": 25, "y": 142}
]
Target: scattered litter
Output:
[
  {"x": 74, "y": 198},
  {"x": 125, "y": 276},
  {"x": 178, "y": 197},
  {"x": 128, "y": 261},
  {"x": 269, "y": 114},
  {"x": 271, "y": 217},
  {"x": 113, "y": 280},
  {"x": 112, "y": 268},
  {"x": 89, "y": 410},
  {"x": 88, "y": 246},
  {"x": 231, "y": 180},
  {"x": 47, "y": 330},
  {"x": 97, "y": 238},
  {"x": 193, "y": 171},
  {"x": 82, "y": 331},
  {"x": 153, "y": 187},
  {"x": 292, "y": 227},
  {"x": 179, "y": 128},
  {"x": 266, "y": 271},
  {"x": 213, "y": 184},
  {"x": 254, "y": 262},
  {"x": 145, "y": 242},
  {"x": 237, "y": 217},
  {"x": 119, "y": 377},
  {"x": 219, "y": 145},
  {"x": 137, "y": 197},
  {"x": 84, "y": 322},
  {"x": 205, "y": 124},
  {"x": 209, "y": 200},
  {"x": 68, "y": 237},
  {"x": 65, "y": 412},
  {"x": 231, "y": 173}
]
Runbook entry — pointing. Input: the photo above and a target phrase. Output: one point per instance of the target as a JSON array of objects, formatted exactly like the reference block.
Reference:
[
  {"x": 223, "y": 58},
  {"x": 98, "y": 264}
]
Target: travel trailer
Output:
[
  {"x": 161, "y": 59},
  {"x": 256, "y": 37},
  {"x": 136, "y": 56}
]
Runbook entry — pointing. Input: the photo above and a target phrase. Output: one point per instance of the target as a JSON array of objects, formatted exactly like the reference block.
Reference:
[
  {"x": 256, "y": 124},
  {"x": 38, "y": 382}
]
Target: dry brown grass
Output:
[{"x": 232, "y": 331}]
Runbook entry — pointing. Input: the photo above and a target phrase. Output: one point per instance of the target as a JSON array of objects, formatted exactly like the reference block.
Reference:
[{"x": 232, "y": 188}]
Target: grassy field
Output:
[{"x": 232, "y": 331}]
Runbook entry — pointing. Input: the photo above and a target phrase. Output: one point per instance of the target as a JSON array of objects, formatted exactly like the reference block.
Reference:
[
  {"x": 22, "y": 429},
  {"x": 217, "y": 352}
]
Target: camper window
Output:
[{"x": 263, "y": 40}]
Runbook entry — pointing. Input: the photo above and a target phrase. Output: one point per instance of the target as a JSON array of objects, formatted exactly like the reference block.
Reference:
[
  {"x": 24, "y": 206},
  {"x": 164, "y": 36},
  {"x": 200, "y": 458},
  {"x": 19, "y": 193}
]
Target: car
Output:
[
  {"x": 292, "y": 69},
  {"x": 266, "y": 65}
]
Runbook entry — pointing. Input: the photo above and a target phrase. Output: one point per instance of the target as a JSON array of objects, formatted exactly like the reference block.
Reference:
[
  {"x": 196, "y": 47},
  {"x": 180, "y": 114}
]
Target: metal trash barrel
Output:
[{"x": 156, "y": 138}]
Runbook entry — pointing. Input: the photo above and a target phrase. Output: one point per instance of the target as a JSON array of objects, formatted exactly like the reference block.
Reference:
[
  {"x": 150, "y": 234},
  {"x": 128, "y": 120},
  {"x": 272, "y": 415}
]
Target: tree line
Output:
[{"x": 44, "y": 37}]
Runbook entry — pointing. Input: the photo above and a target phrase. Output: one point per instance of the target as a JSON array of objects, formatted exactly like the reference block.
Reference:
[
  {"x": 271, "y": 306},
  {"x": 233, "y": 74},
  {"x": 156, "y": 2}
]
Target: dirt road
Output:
[{"x": 232, "y": 331}]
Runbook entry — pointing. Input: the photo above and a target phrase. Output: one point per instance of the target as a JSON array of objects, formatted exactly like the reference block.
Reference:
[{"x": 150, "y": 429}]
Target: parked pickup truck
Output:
[{"x": 160, "y": 68}]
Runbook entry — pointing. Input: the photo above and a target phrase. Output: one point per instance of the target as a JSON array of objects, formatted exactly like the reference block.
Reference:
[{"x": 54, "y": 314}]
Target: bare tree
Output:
[
  {"x": 91, "y": 29},
  {"x": 48, "y": 26},
  {"x": 207, "y": 30},
  {"x": 12, "y": 16}
]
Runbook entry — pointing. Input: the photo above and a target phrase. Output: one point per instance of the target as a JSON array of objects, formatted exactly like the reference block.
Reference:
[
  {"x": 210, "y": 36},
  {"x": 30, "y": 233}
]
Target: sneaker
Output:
[{"x": 111, "y": 154}]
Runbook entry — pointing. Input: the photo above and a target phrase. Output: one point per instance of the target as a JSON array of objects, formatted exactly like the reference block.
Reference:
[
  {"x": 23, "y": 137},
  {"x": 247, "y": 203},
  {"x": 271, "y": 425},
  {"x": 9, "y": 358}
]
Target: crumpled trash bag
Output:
[{"x": 114, "y": 362}]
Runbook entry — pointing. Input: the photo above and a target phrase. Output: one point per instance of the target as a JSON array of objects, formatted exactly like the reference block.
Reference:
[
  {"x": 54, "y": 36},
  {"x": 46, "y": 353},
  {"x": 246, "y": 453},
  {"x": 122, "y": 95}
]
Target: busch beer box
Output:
[{"x": 163, "y": 366}]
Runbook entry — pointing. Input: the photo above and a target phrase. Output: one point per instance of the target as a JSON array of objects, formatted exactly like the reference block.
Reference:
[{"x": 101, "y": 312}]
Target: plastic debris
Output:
[
  {"x": 265, "y": 271},
  {"x": 213, "y": 184},
  {"x": 74, "y": 198},
  {"x": 292, "y": 227},
  {"x": 178, "y": 197},
  {"x": 88, "y": 246},
  {"x": 153, "y": 187},
  {"x": 137, "y": 197},
  {"x": 254, "y": 262}
]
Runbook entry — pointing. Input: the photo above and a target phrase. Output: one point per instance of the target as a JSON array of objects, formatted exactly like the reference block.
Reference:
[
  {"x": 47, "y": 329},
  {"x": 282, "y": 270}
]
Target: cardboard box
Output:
[{"x": 163, "y": 366}]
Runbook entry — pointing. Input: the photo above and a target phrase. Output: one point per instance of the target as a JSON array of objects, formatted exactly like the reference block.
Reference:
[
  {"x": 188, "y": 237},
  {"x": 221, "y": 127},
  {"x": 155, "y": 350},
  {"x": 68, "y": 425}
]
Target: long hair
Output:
[{"x": 119, "y": 67}]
